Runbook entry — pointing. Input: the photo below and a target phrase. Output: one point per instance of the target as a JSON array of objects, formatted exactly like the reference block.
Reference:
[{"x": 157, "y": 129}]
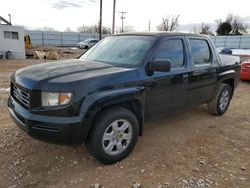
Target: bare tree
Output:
[
  {"x": 238, "y": 26},
  {"x": 195, "y": 30},
  {"x": 93, "y": 29},
  {"x": 233, "y": 25},
  {"x": 86, "y": 29},
  {"x": 25, "y": 27},
  {"x": 129, "y": 28},
  {"x": 169, "y": 23},
  {"x": 46, "y": 29},
  {"x": 205, "y": 29},
  {"x": 68, "y": 29}
]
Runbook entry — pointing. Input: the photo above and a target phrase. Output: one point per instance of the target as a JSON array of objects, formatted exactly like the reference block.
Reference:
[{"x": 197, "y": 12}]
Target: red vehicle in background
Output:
[{"x": 245, "y": 71}]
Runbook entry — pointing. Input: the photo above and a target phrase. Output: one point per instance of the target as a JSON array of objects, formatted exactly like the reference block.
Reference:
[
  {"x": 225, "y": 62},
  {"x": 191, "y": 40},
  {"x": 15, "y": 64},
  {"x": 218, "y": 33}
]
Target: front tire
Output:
[
  {"x": 219, "y": 105},
  {"x": 113, "y": 135}
]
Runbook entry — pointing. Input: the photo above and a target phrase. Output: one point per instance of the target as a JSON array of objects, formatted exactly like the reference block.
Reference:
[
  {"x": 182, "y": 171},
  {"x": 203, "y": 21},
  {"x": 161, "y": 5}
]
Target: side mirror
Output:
[{"x": 160, "y": 65}]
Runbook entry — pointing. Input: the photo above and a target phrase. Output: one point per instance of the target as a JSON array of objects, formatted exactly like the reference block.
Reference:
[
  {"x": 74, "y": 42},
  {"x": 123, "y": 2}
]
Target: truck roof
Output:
[{"x": 159, "y": 34}]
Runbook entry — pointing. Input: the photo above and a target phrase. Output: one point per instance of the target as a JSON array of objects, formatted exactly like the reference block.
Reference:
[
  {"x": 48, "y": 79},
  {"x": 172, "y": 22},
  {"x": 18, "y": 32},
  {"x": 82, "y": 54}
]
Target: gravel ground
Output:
[{"x": 192, "y": 150}]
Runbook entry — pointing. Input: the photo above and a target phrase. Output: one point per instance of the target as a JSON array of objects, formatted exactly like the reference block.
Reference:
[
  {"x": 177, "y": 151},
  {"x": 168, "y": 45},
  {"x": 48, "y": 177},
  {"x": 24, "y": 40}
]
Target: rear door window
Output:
[{"x": 201, "y": 52}]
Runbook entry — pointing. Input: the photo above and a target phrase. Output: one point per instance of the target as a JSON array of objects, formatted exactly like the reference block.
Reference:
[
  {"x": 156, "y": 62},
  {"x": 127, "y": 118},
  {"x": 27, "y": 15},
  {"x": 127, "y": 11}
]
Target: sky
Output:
[{"x": 60, "y": 14}]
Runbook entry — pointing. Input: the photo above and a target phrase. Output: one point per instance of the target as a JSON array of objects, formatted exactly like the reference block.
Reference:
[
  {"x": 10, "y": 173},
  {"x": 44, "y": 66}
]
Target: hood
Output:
[{"x": 61, "y": 73}]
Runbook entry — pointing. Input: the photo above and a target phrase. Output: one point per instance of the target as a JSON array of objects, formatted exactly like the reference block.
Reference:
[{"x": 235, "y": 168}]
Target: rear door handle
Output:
[
  {"x": 198, "y": 72},
  {"x": 185, "y": 77}
]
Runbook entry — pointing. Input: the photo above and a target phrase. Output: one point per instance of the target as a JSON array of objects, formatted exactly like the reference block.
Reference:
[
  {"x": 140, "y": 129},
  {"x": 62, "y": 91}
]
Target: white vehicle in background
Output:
[{"x": 86, "y": 44}]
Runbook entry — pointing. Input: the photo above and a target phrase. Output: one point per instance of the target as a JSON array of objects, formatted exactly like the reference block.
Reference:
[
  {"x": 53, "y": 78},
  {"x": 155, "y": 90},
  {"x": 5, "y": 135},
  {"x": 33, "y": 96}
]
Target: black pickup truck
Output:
[{"x": 104, "y": 97}]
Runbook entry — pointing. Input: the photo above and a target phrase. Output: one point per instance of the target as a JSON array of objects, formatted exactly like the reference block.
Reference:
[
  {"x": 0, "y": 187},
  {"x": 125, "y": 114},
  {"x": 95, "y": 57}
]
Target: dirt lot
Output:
[{"x": 192, "y": 149}]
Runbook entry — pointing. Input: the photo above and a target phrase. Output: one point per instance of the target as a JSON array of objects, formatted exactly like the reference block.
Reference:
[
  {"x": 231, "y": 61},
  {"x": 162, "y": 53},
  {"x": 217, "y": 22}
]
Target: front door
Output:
[{"x": 167, "y": 92}]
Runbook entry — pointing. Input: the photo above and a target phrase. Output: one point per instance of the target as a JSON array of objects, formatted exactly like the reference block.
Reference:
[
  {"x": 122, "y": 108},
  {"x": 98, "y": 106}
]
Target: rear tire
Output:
[
  {"x": 113, "y": 135},
  {"x": 219, "y": 105}
]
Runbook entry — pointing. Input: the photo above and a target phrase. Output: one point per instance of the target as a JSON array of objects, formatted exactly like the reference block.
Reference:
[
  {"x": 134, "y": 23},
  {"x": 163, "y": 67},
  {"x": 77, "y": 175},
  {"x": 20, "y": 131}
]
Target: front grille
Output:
[{"x": 21, "y": 96}]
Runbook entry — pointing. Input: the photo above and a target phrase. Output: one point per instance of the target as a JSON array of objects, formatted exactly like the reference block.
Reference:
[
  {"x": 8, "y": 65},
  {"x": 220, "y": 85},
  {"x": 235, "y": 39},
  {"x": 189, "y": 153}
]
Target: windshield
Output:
[{"x": 124, "y": 50}]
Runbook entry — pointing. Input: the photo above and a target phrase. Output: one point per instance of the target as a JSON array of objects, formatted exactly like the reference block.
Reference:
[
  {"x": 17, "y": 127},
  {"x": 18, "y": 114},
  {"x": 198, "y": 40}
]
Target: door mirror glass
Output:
[{"x": 160, "y": 65}]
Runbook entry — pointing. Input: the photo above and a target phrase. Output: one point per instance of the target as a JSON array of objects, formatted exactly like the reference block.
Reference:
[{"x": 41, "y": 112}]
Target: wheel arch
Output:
[
  {"x": 230, "y": 82},
  {"x": 133, "y": 101},
  {"x": 134, "y": 105},
  {"x": 228, "y": 77}
]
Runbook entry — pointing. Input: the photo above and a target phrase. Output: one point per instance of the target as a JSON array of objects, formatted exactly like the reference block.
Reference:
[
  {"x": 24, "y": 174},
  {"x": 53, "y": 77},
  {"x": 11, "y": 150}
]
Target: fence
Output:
[
  {"x": 236, "y": 42},
  {"x": 54, "y": 38}
]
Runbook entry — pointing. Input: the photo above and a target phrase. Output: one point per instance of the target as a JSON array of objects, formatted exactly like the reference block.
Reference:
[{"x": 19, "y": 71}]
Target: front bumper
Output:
[{"x": 66, "y": 130}]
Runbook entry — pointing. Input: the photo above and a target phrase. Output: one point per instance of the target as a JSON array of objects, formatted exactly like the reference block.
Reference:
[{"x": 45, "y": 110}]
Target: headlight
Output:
[{"x": 55, "y": 99}]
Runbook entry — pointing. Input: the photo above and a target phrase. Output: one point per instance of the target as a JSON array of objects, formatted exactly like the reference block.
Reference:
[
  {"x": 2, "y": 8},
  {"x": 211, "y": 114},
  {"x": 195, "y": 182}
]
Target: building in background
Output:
[{"x": 11, "y": 41}]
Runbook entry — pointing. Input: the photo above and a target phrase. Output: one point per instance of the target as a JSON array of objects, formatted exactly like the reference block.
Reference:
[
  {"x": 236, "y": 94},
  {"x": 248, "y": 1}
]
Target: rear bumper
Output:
[
  {"x": 65, "y": 130},
  {"x": 245, "y": 75}
]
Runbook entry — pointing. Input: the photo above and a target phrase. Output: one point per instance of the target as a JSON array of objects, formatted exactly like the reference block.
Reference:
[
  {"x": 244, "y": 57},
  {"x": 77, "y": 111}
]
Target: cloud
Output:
[
  {"x": 247, "y": 20},
  {"x": 193, "y": 27},
  {"x": 92, "y": 1},
  {"x": 63, "y": 4}
]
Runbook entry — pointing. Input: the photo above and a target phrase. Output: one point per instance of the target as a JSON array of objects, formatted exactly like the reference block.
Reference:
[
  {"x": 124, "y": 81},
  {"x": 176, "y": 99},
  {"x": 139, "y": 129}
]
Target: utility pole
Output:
[
  {"x": 113, "y": 26},
  {"x": 149, "y": 26},
  {"x": 123, "y": 17},
  {"x": 100, "y": 22},
  {"x": 10, "y": 19}
]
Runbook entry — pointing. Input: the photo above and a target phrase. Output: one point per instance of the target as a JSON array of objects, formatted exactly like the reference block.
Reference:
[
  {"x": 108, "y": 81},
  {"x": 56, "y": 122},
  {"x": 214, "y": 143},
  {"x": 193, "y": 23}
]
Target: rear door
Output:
[
  {"x": 203, "y": 75},
  {"x": 167, "y": 92}
]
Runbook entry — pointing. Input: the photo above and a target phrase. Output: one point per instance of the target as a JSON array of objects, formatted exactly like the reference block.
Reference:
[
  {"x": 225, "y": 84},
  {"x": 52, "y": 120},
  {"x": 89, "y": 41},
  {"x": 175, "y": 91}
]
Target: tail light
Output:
[{"x": 245, "y": 67}]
